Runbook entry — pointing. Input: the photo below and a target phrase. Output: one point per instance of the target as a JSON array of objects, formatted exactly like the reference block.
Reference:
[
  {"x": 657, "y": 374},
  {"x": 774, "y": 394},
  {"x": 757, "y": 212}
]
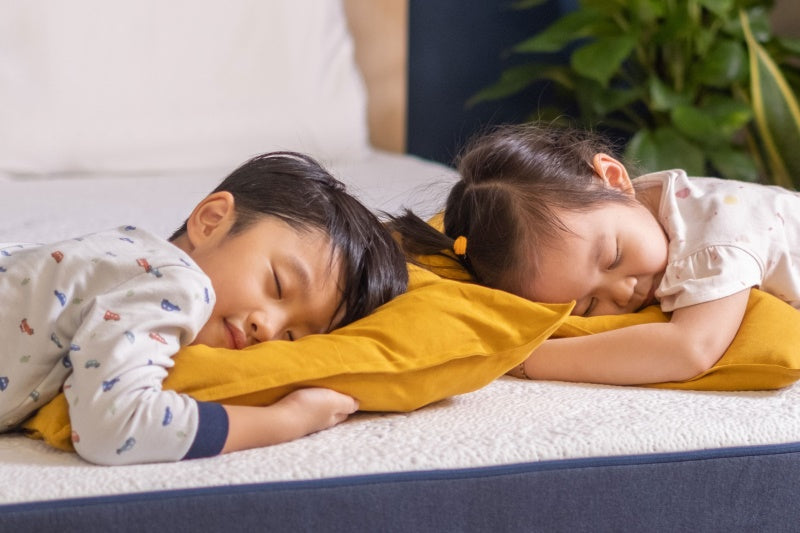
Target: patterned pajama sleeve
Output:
[{"x": 119, "y": 357}]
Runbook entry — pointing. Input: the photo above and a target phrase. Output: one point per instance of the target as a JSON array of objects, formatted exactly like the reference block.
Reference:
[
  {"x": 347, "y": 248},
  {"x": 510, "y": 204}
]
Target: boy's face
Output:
[{"x": 272, "y": 282}]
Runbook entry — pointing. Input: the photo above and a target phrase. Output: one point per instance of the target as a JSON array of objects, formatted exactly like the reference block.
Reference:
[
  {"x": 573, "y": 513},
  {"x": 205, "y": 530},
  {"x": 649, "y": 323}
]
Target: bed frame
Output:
[{"x": 515, "y": 456}]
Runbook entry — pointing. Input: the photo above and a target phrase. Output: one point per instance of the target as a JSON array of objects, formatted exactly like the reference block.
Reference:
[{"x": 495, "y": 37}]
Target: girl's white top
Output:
[{"x": 726, "y": 236}]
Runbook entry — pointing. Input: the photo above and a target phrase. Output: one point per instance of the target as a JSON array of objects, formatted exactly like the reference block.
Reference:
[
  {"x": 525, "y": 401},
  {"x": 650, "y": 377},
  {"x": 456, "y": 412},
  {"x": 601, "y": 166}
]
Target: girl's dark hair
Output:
[
  {"x": 514, "y": 180},
  {"x": 296, "y": 189}
]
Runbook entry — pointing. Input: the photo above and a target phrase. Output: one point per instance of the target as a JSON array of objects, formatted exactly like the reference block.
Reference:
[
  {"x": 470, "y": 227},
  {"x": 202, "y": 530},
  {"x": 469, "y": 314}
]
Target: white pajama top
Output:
[
  {"x": 726, "y": 236},
  {"x": 101, "y": 317}
]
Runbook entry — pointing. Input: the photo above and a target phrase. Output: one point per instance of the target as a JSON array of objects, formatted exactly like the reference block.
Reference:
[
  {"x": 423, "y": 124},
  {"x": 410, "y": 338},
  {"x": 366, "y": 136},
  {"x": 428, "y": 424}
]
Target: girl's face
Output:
[
  {"x": 272, "y": 282},
  {"x": 610, "y": 262}
]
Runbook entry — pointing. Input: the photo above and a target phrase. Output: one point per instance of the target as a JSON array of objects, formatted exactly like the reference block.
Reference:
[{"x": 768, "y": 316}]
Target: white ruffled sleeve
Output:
[{"x": 708, "y": 274}]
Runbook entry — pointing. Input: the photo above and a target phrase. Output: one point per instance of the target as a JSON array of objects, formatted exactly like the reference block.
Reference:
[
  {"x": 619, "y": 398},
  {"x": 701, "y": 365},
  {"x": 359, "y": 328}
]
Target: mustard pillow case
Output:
[
  {"x": 440, "y": 339},
  {"x": 764, "y": 354}
]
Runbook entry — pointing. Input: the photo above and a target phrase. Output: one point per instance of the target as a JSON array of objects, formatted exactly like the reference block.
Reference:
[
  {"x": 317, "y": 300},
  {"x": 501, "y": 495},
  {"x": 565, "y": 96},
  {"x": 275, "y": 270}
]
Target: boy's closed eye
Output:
[{"x": 279, "y": 292}]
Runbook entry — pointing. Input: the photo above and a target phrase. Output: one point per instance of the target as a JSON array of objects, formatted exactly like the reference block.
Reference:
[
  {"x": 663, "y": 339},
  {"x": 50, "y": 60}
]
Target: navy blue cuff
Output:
[{"x": 212, "y": 431}]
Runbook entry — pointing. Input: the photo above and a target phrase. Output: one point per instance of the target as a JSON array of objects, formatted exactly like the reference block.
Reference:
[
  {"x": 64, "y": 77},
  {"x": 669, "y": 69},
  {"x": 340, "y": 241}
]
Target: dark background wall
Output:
[{"x": 458, "y": 47}]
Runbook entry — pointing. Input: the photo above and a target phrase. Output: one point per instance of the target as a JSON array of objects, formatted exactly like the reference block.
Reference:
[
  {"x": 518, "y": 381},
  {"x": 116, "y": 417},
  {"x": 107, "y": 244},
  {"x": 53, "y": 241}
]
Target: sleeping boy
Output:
[{"x": 277, "y": 251}]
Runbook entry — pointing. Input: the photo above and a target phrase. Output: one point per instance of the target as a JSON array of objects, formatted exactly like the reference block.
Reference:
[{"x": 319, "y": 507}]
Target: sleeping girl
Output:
[
  {"x": 277, "y": 251},
  {"x": 550, "y": 216}
]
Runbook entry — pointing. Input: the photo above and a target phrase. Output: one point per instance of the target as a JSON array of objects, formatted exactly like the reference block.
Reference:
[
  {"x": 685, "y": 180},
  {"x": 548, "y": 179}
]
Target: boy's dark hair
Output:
[
  {"x": 296, "y": 189},
  {"x": 514, "y": 179}
]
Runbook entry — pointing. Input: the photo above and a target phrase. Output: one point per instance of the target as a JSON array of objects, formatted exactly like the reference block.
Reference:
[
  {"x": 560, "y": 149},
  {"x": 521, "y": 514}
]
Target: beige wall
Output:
[
  {"x": 786, "y": 18},
  {"x": 380, "y": 29}
]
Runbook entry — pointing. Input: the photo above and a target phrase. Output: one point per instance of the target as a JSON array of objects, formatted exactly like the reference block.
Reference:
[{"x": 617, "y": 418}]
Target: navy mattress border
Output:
[{"x": 736, "y": 488}]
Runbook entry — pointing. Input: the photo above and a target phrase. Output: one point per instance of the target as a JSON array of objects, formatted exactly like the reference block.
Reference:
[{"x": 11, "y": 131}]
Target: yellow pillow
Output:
[
  {"x": 439, "y": 339},
  {"x": 764, "y": 354}
]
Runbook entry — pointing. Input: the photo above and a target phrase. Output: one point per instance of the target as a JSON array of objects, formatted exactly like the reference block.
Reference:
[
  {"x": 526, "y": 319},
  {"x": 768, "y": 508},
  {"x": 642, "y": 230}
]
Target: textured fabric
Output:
[
  {"x": 440, "y": 339},
  {"x": 726, "y": 236},
  {"x": 102, "y": 315},
  {"x": 509, "y": 422},
  {"x": 764, "y": 354},
  {"x": 213, "y": 418},
  {"x": 703, "y": 492}
]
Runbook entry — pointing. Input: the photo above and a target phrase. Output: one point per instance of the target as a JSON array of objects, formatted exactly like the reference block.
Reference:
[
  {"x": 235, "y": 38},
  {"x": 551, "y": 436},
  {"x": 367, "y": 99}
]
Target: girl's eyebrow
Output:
[{"x": 597, "y": 248}]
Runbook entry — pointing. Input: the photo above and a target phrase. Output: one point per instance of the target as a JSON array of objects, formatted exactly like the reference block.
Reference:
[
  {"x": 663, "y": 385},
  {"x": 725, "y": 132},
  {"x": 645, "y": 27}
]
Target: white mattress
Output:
[
  {"x": 34, "y": 209},
  {"x": 510, "y": 421}
]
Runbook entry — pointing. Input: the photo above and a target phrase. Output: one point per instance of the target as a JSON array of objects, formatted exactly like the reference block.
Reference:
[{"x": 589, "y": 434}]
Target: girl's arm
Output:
[
  {"x": 297, "y": 414},
  {"x": 690, "y": 343}
]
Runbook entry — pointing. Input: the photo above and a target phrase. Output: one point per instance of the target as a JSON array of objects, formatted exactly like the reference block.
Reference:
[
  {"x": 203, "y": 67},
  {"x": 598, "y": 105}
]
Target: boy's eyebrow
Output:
[{"x": 300, "y": 272}]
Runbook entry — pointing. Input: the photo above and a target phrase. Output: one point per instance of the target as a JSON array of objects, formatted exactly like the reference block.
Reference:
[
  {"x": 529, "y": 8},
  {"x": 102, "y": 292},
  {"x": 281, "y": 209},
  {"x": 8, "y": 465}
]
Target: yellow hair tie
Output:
[{"x": 460, "y": 245}]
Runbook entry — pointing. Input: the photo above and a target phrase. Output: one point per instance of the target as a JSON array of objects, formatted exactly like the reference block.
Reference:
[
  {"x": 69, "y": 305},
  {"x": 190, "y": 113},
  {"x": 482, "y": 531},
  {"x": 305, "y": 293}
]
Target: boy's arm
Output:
[
  {"x": 299, "y": 413},
  {"x": 690, "y": 343},
  {"x": 123, "y": 346}
]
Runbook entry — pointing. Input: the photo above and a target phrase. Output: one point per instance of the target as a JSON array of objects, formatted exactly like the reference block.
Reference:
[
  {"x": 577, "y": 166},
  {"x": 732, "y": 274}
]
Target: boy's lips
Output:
[{"x": 236, "y": 339}]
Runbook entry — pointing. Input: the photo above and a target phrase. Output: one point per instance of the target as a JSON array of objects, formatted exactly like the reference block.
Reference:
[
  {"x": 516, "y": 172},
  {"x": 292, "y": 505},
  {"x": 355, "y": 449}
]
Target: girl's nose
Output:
[{"x": 623, "y": 289}]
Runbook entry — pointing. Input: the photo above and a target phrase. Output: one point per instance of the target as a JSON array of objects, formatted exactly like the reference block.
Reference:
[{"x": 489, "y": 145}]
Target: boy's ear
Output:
[
  {"x": 612, "y": 172},
  {"x": 211, "y": 219}
]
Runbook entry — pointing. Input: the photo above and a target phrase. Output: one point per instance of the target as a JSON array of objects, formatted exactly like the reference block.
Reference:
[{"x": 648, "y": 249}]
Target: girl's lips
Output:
[
  {"x": 651, "y": 295},
  {"x": 236, "y": 338},
  {"x": 649, "y": 298}
]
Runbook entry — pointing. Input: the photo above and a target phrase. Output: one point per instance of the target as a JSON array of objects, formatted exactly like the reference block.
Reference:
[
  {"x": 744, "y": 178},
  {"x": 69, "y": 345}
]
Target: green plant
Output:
[{"x": 699, "y": 84}]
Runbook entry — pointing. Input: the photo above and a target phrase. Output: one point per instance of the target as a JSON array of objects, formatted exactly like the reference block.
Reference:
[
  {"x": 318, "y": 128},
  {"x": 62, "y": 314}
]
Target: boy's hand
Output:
[
  {"x": 319, "y": 408},
  {"x": 297, "y": 414}
]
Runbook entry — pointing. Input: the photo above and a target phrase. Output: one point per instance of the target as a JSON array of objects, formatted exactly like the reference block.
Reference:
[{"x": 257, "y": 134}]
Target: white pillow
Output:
[{"x": 143, "y": 85}]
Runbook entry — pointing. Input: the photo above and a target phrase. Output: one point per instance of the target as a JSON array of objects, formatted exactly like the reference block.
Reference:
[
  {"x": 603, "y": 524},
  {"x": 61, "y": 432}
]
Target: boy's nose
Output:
[{"x": 263, "y": 327}]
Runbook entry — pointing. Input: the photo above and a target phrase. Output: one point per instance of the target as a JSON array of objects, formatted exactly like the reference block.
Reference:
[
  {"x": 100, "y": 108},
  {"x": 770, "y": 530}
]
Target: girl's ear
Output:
[
  {"x": 211, "y": 219},
  {"x": 612, "y": 172}
]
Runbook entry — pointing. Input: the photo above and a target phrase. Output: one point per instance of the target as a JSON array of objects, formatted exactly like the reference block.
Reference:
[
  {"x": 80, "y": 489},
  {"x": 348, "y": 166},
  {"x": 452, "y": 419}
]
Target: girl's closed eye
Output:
[
  {"x": 590, "y": 307},
  {"x": 278, "y": 288},
  {"x": 617, "y": 256}
]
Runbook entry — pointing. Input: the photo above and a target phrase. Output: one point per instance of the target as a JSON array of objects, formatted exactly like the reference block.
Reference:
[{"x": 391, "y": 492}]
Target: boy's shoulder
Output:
[{"x": 115, "y": 254}]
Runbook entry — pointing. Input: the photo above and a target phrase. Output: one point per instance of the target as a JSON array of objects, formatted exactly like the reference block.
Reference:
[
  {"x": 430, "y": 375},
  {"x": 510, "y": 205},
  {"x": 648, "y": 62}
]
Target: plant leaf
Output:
[
  {"x": 757, "y": 20},
  {"x": 725, "y": 63},
  {"x": 776, "y": 111},
  {"x": 721, "y": 8},
  {"x": 697, "y": 125},
  {"x": 663, "y": 97},
  {"x": 790, "y": 44},
  {"x": 601, "y": 59},
  {"x": 733, "y": 164},
  {"x": 665, "y": 148},
  {"x": 512, "y": 81},
  {"x": 647, "y": 11},
  {"x": 730, "y": 115},
  {"x": 527, "y": 4},
  {"x": 603, "y": 101},
  {"x": 572, "y": 26}
]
